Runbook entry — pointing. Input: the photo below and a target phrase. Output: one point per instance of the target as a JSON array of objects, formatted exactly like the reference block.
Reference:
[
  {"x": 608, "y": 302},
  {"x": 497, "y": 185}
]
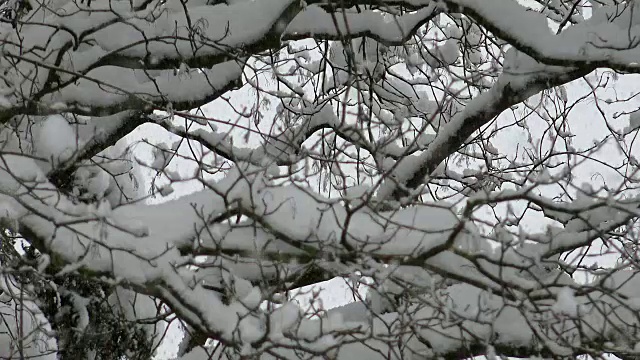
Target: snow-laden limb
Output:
[
  {"x": 464, "y": 317},
  {"x": 572, "y": 47},
  {"x": 122, "y": 90},
  {"x": 606, "y": 39},
  {"x": 94, "y": 135},
  {"x": 67, "y": 152},
  {"x": 97, "y": 133},
  {"x": 139, "y": 245},
  {"x": 155, "y": 35},
  {"x": 460, "y": 320},
  {"x": 149, "y": 230},
  {"x": 523, "y": 78},
  {"x": 159, "y": 34},
  {"x": 117, "y": 40},
  {"x": 384, "y": 28},
  {"x": 221, "y": 28},
  {"x": 282, "y": 147},
  {"x": 219, "y": 142}
]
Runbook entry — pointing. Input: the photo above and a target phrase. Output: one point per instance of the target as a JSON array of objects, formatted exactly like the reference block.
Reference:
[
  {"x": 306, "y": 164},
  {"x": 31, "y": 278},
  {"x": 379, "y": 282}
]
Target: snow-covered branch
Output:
[{"x": 464, "y": 167}]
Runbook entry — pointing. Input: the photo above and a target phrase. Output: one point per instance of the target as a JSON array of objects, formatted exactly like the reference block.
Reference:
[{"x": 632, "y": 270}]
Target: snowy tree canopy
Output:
[{"x": 468, "y": 168}]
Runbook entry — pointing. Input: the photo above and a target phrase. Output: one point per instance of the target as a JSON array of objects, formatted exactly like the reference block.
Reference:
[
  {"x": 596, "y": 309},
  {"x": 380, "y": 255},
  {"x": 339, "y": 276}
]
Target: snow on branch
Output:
[
  {"x": 140, "y": 238},
  {"x": 464, "y": 167}
]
